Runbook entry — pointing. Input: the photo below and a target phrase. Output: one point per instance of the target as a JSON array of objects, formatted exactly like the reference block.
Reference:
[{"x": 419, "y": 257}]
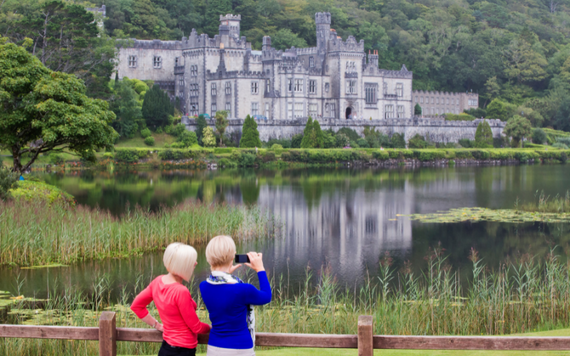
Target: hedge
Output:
[{"x": 130, "y": 155}]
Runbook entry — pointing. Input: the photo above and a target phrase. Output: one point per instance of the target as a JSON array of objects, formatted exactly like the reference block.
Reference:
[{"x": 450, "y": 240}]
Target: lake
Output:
[{"x": 337, "y": 218}]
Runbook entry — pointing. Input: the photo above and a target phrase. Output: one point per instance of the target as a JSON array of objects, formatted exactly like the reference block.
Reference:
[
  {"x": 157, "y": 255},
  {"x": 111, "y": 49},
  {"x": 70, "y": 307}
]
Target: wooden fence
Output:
[{"x": 365, "y": 341}]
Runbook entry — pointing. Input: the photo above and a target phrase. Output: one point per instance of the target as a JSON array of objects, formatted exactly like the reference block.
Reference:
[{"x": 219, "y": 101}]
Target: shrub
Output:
[
  {"x": 563, "y": 140},
  {"x": 130, "y": 155},
  {"x": 268, "y": 157},
  {"x": 499, "y": 142},
  {"x": 483, "y": 135},
  {"x": 466, "y": 143},
  {"x": 538, "y": 136},
  {"x": 353, "y": 144},
  {"x": 178, "y": 145},
  {"x": 250, "y": 134},
  {"x": 277, "y": 148},
  {"x": 417, "y": 141},
  {"x": 159, "y": 130},
  {"x": 110, "y": 155},
  {"x": 222, "y": 150},
  {"x": 149, "y": 141},
  {"x": 31, "y": 191},
  {"x": 563, "y": 157},
  {"x": 398, "y": 141},
  {"x": 226, "y": 163},
  {"x": 480, "y": 154},
  {"x": 459, "y": 117},
  {"x": 8, "y": 180},
  {"x": 560, "y": 145},
  {"x": 342, "y": 140},
  {"x": 200, "y": 126},
  {"x": 350, "y": 133},
  {"x": 362, "y": 143},
  {"x": 145, "y": 133},
  {"x": 176, "y": 155},
  {"x": 188, "y": 138},
  {"x": 463, "y": 154},
  {"x": 246, "y": 160},
  {"x": 208, "y": 140},
  {"x": 177, "y": 130},
  {"x": 381, "y": 155}
]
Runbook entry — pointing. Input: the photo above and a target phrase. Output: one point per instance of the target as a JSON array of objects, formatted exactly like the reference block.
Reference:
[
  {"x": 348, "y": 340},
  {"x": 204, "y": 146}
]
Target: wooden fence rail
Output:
[{"x": 108, "y": 334}]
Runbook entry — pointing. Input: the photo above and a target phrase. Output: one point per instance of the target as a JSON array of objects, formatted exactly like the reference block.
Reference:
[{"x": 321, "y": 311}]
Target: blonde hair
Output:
[
  {"x": 221, "y": 251},
  {"x": 180, "y": 259}
]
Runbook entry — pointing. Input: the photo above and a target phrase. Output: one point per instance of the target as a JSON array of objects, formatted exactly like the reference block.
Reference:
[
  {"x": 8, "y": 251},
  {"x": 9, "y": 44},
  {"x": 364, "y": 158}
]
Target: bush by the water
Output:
[
  {"x": 149, "y": 141},
  {"x": 124, "y": 155},
  {"x": 8, "y": 180},
  {"x": 34, "y": 191}
]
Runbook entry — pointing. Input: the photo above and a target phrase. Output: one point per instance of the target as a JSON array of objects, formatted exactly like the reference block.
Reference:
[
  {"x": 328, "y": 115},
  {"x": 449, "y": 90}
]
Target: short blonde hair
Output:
[
  {"x": 180, "y": 259},
  {"x": 220, "y": 251}
]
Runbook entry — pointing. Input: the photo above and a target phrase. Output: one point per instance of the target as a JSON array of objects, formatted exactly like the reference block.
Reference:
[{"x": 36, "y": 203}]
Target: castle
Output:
[{"x": 335, "y": 82}]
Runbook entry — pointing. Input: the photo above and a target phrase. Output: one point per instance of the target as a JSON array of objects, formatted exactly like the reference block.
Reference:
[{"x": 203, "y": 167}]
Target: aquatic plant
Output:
[{"x": 33, "y": 233}]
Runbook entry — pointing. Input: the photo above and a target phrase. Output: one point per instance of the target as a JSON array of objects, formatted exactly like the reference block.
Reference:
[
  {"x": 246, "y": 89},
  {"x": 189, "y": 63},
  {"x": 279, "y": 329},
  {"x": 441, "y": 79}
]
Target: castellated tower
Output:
[
  {"x": 323, "y": 22},
  {"x": 233, "y": 23}
]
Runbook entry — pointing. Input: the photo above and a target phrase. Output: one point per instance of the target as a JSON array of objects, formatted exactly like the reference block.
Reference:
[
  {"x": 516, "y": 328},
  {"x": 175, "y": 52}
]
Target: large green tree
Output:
[
  {"x": 309, "y": 136},
  {"x": 157, "y": 107},
  {"x": 250, "y": 135},
  {"x": 44, "y": 110},
  {"x": 518, "y": 128},
  {"x": 214, "y": 9},
  {"x": 484, "y": 135},
  {"x": 200, "y": 126},
  {"x": 127, "y": 110}
]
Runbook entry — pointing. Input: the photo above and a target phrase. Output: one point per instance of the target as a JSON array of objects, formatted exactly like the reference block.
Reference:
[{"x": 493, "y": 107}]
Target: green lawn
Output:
[
  {"x": 159, "y": 141},
  {"x": 353, "y": 352}
]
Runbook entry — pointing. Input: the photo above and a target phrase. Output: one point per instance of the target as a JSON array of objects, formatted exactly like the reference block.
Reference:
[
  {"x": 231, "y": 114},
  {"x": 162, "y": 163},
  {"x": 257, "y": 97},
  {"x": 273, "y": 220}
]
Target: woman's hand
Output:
[
  {"x": 159, "y": 327},
  {"x": 233, "y": 268},
  {"x": 255, "y": 261}
]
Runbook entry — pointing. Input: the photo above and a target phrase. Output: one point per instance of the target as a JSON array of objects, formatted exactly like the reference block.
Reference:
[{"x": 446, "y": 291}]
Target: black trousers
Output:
[{"x": 167, "y": 350}]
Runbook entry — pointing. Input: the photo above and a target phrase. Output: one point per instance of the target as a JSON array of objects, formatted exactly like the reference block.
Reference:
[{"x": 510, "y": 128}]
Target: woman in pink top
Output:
[{"x": 177, "y": 310}]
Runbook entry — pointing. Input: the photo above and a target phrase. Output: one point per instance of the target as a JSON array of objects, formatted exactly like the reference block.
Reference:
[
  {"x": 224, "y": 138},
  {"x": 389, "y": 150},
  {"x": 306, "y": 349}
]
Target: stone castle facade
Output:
[
  {"x": 335, "y": 80},
  {"x": 436, "y": 103}
]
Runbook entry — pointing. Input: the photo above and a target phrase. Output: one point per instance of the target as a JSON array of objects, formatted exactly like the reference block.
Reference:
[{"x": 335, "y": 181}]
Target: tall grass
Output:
[
  {"x": 547, "y": 204},
  {"x": 519, "y": 297},
  {"x": 32, "y": 233}
]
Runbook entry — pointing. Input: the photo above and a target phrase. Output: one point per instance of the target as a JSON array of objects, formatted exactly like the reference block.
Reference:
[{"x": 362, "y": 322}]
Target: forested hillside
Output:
[{"x": 516, "y": 51}]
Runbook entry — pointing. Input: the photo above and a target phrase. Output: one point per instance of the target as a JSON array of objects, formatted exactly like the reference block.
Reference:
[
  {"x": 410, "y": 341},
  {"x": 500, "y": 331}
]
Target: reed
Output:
[
  {"x": 32, "y": 233},
  {"x": 547, "y": 204},
  {"x": 520, "y": 297}
]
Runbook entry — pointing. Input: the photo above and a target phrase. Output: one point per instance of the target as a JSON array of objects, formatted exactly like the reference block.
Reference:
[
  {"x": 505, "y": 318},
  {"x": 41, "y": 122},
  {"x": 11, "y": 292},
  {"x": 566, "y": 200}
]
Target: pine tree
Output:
[
  {"x": 417, "y": 110},
  {"x": 308, "y": 135},
  {"x": 250, "y": 135},
  {"x": 200, "y": 126},
  {"x": 319, "y": 136},
  {"x": 156, "y": 107},
  {"x": 484, "y": 135},
  {"x": 213, "y": 11}
]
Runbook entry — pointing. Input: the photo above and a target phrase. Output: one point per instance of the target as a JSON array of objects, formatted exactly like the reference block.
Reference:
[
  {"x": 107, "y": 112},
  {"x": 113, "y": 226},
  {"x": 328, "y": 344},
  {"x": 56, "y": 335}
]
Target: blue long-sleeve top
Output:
[{"x": 227, "y": 306}]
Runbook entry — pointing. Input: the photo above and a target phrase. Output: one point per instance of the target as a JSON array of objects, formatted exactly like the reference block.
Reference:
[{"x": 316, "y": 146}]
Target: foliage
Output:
[
  {"x": 157, "y": 107},
  {"x": 127, "y": 110},
  {"x": 374, "y": 139},
  {"x": 130, "y": 155},
  {"x": 483, "y": 135},
  {"x": 476, "y": 112},
  {"x": 518, "y": 128},
  {"x": 459, "y": 117},
  {"x": 342, "y": 140},
  {"x": 209, "y": 139},
  {"x": 56, "y": 159},
  {"x": 538, "y": 136},
  {"x": 277, "y": 149},
  {"x": 350, "y": 133},
  {"x": 296, "y": 141},
  {"x": 221, "y": 124},
  {"x": 467, "y": 143},
  {"x": 8, "y": 181},
  {"x": 145, "y": 133},
  {"x": 178, "y": 130},
  {"x": 250, "y": 135},
  {"x": 313, "y": 136},
  {"x": 200, "y": 126},
  {"x": 398, "y": 141},
  {"x": 418, "y": 141},
  {"x": 42, "y": 192},
  {"x": 53, "y": 108},
  {"x": 149, "y": 141},
  {"x": 188, "y": 138},
  {"x": 417, "y": 109},
  {"x": 501, "y": 110}
]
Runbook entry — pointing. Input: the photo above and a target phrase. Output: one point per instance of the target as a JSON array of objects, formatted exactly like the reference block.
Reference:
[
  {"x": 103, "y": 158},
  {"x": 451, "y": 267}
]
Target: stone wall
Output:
[{"x": 434, "y": 130}]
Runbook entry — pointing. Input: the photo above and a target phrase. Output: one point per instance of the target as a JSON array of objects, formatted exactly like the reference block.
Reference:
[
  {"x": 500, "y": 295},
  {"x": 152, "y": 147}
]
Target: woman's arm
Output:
[
  {"x": 187, "y": 308},
  {"x": 258, "y": 297},
  {"x": 139, "y": 308}
]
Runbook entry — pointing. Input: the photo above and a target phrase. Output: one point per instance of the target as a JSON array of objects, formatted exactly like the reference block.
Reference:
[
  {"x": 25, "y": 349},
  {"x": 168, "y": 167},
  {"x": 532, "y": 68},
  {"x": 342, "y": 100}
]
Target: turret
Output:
[
  {"x": 323, "y": 22},
  {"x": 266, "y": 43},
  {"x": 373, "y": 59},
  {"x": 230, "y": 25}
]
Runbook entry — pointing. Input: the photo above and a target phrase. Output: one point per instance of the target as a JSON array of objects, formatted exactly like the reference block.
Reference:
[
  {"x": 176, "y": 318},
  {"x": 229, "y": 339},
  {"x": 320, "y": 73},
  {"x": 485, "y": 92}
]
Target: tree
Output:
[
  {"x": 221, "y": 124},
  {"x": 213, "y": 11},
  {"x": 127, "y": 110},
  {"x": 562, "y": 116},
  {"x": 188, "y": 138},
  {"x": 209, "y": 138},
  {"x": 309, "y": 135},
  {"x": 518, "y": 128},
  {"x": 44, "y": 110},
  {"x": 200, "y": 126},
  {"x": 398, "y": 140},
  {"x": 483, "y": 135},
  {"x": 157, "y": 107},
  {"x": 285, "y": 38},
  {"x": 501, "y": 110},
  {"x": 319, "y": 136},
  {"x": 417, "y": 110},
  {"x": 250, "y": 135},
  {"x": 538, "y": 136},
  {"x": 523, "y": 63}
]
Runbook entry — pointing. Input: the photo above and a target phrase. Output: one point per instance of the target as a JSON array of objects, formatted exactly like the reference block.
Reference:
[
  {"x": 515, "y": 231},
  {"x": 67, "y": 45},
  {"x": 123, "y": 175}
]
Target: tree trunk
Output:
[{"x": 17, "y": 160}]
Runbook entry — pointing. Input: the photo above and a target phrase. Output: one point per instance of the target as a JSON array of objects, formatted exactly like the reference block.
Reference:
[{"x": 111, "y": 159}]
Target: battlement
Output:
[
  {"x": 154, "y": 44},
  {"x": 336, "y": 44},
  {"x": 402, "y": 73},
  {"x": 230, "y": 17},
  {"x": 323, "y": 18}
]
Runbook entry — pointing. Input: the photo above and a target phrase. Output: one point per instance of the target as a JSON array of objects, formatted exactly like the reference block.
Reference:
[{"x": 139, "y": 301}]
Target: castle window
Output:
[
  {"x": 267, "y": 86},
  {"x": 299, "y": 85},
  {"x": 214, "y": 89},
  {"x": 177, "y": 61},
  {"x": 370, "y": 91},
  {"x": 157, "y": 62},
  {"x": 132, "y": 61},
  {"x": 432, "y": 100},
  {"x": 401, "y": 111},
  {"x": 194, "y": 71},
  {"x": 447, "y": 101},
  {"x": 254, "y": 108},
  {"x": 228, "y": 88},
  {"x": 193, "y": 89},
  {"x": 472, "y": 102},
  {"x": 214, "y": 109},
  {"x": 437, "y": 100},
  {"x": 290, "y": 110},
  {"x": 327, "y": 87},
  {"x": 421, "y": 99},
  {"x": 193, "y": 109},
  {"x": 266, "y": 110},
  {"x": 313, "y": 110},
  {"x": 311, "y": 62},
  {"x": 385, "y": 88},
  {"x": 181, "y": 83},
  {"x": 229, "y": 108},
  {"x": 299, "y": 110},
  {"x": 351, "y": 86},
  {"x": 400, "y": 89},
  {"x": 332, "y": 109},
  {"x": 290, "y": 84},
  {"x": 312, "y": 86},
  {"x": 254, "y": 87},
  {"x": 389, "y": 111}
]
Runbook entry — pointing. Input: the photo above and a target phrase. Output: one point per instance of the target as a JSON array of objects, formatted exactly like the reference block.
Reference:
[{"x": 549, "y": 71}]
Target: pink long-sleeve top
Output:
[{"x": 177, "y": 311}]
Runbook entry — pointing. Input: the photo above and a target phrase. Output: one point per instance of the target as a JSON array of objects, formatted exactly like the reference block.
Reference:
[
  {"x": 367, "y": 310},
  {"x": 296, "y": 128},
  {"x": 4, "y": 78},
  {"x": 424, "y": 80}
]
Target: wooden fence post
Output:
[
  {"x": 107, "y": 334},
  {"x": 365, "y": 336}
]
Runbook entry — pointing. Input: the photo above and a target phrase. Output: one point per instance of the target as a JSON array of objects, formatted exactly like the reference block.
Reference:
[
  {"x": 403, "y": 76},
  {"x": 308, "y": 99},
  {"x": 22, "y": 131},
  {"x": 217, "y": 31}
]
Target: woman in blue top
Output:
[{"x": 230, "y": 301}]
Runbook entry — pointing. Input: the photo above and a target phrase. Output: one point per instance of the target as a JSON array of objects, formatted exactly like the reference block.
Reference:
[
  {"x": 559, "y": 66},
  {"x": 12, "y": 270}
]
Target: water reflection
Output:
[{"x": 341, "y": 218}]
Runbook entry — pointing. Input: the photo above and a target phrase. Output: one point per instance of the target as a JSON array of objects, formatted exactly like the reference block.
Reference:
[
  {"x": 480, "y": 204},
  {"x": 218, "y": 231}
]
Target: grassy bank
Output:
[
  {"x": 31, "y": 233},
  {"x": 525, "y": 296}
]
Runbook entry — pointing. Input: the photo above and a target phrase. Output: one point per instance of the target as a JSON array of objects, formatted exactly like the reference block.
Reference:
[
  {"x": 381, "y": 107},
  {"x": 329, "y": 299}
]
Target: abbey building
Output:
[{"x": 334, "y": 81}]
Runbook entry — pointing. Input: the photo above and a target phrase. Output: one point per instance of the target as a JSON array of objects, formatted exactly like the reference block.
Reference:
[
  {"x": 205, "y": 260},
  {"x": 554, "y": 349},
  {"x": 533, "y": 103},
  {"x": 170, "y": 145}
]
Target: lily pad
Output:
[
  {"x": 484, "y": 214},
  {"x": 52, "y": 265}
]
